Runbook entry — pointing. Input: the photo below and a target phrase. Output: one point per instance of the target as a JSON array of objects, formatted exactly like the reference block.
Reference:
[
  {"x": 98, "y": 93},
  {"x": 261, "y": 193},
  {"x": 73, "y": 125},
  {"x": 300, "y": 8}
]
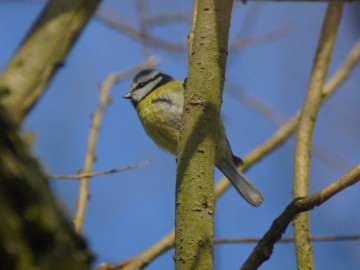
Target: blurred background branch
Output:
[
  {"x": 97, "y": 118},
  {"x": 32, "y": 220},
  {"x": 42, "y": 52}
]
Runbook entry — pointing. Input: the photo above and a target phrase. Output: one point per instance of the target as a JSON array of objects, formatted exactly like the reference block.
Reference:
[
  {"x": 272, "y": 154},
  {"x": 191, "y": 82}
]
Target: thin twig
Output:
[
  {"x": 142, "y": 10},
  {"x": 256, "y": 155},
  {"x": 264, "y": 248},
  {"x": 287, "y": 240},
  {"x": 94, "y": 130},
  {"x": 112, "y": 20},
  {"x": 247, "y": 42},
  {"x": 167, "y": 18},
  {"x": 303, "y": 143},
  {"x": 90, "y": 175},
  {"x": 90, "y": 157},
  {"x": 115, "y": 266}
]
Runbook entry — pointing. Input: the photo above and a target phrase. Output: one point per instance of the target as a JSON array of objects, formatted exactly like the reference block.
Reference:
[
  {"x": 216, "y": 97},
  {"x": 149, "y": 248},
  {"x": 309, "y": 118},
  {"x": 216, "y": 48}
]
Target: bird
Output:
[{"x": 158, "y": 100}]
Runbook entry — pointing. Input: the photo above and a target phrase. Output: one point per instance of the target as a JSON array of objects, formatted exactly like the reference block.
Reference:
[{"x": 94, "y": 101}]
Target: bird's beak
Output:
[{"x": 127, "y": 95}]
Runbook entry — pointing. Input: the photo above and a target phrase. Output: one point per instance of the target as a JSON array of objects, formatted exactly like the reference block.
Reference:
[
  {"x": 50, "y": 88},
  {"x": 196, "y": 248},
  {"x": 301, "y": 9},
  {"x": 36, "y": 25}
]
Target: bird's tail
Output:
[{"x": 247, "y": 190}]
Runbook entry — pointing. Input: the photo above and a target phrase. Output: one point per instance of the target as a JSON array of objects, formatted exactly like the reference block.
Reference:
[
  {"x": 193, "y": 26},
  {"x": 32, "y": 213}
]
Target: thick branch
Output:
[
  {"x": 42, "y": 52},
  {"x": 198, "y": 135},
  {"x": 34, "y": 232}
]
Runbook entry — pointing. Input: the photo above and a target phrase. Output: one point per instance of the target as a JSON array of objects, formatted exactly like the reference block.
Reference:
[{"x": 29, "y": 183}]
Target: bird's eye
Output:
[{"x": 141, "y": 84}]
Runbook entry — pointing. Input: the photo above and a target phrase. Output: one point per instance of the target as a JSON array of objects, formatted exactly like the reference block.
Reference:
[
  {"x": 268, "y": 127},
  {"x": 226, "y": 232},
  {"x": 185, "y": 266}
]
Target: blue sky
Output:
[{"x": 130, "y": 211}]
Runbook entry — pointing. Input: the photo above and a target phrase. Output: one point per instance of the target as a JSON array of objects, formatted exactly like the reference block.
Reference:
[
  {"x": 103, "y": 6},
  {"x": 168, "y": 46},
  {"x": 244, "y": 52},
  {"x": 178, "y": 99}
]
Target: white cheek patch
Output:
[{"x": 140, "y": 93}]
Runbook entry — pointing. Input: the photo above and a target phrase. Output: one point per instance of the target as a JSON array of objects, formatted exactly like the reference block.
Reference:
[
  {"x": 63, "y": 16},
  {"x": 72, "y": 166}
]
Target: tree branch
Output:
[
  {"x": 113, "y": 20},
  {"x": 261, "y": 151},
  {"x": 303, "y": 247},
  {"x": 42, "y": 52},
  {"x": 287, "y": 240},
  {"x": 264, "y": 248},
  {"x": 95, "y": 174},
  {"x": 94, "y": 130},
  {"x": 322, "y": 152},
  {"x": 34, "y": 231},
  {"x": 199, "y": 134},
  {"x": 287, "y": 129}
]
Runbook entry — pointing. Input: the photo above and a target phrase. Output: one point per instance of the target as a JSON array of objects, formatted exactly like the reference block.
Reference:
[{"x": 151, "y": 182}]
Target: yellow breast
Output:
[{"x": 160, "y": 114}]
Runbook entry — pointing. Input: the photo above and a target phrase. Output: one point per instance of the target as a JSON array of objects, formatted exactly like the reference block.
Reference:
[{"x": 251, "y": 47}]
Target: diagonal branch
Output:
[
  {"x": 42, "y": 52},
  {"x": 287, "y": 129},
  {"x": 263, "y": 249},
  {"x": 286, "y": 240},
  {"x": 322, "y": 152}
]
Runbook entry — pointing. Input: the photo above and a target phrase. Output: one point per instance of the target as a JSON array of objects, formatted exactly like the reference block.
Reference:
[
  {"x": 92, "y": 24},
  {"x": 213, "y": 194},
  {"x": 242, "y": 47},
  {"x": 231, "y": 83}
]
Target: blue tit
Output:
[{"x": 158, "y": 99}]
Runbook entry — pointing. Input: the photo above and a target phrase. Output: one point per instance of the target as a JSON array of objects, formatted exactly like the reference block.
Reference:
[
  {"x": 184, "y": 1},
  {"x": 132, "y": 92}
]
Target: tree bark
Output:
[
  {"x": 34, "y": 232},
  {"x": 196, "y": 152}
]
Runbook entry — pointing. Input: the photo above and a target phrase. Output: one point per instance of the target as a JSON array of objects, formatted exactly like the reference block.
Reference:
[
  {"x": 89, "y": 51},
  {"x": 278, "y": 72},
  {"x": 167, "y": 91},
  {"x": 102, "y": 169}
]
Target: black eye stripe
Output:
[
  {"x": 142, "y": 84},
  {"x": 145, "y": 82}
]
